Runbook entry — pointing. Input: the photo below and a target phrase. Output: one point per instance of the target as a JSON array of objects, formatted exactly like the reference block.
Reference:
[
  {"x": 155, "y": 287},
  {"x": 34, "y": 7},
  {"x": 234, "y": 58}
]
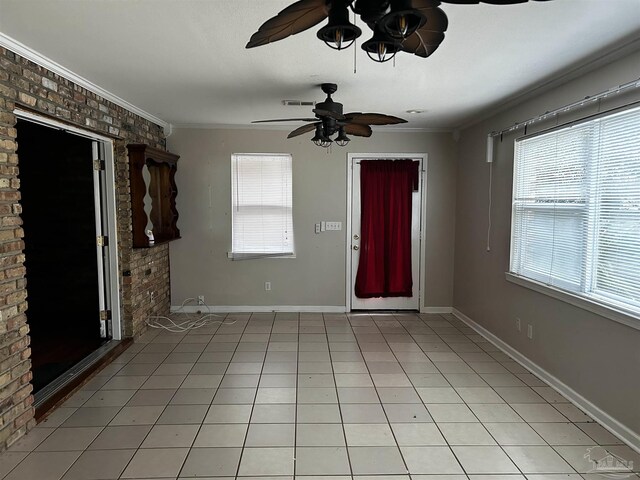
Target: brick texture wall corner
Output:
[{"x": 23, "y": 83}]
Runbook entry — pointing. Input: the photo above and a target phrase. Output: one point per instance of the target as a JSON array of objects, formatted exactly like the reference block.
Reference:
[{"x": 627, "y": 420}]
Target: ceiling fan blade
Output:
[
  {"x": 358, "y": 118},
  {"x": 294, "y": 19},
  {"x": 427, "y": 39},
  {"x": 437, "y": 21},
  {"x": 492, "y": 2},
  {"x": 328, "y": 113},
  {"x": 303, "y": 129},
  {"x": 358, "y": 130},
  {"x": 287, "y": 120}
]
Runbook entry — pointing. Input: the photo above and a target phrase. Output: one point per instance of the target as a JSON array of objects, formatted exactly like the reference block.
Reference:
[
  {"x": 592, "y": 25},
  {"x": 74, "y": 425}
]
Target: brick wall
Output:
[{"x": 23, "y": 83}]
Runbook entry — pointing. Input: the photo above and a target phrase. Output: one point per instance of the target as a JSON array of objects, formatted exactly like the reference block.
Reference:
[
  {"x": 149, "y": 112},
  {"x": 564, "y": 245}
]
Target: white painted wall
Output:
[
  {"x": 596, "y": 357},
  {"x": 199, "y": 263}
]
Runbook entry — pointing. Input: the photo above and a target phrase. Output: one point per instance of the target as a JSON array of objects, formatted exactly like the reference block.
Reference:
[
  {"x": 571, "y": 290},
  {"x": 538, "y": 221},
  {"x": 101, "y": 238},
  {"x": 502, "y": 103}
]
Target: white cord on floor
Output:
[{"x": 191, "y": 321}]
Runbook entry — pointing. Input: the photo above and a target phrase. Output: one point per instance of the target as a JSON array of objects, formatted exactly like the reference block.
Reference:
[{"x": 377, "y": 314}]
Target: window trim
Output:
[
  {"x": 239, "y": 256},
  {"x": 599, "y": 308}
]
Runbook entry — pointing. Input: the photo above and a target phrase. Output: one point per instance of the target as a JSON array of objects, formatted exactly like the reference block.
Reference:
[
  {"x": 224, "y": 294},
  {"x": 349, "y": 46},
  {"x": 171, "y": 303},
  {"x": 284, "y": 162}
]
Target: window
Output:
[
  {"x": 576, "y": 210},
  {"x": 262, "y": 224}
]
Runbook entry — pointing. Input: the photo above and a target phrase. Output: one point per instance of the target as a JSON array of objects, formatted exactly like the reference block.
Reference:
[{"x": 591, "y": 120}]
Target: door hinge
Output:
[
  {"x": 98, "y": 165},
  {"x": 102, "y": 240},
  {"x": 105, "y": 324}
]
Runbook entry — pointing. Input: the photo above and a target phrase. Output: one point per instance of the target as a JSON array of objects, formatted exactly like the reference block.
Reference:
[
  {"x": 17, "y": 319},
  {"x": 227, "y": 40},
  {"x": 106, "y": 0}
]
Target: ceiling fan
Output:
[
  {"x": 330, "y": 120},
  {"x": 412, "y": 26}
]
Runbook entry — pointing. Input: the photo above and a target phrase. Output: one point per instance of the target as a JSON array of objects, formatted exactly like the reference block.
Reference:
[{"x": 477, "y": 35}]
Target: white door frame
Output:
[
  {"x": 110, "y": 203},
  {"x": 353, "y": 157}
]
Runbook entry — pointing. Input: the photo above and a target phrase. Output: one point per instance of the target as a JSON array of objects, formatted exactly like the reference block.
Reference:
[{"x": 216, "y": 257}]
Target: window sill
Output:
[
  {"x": 590, "y": 305},
  {"x": 240, "y": 257}
]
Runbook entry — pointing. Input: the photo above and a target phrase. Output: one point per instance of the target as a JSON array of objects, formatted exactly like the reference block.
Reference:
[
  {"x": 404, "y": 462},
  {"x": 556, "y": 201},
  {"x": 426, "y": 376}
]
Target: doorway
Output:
[
  {"x": 354, "y": 236},
  {"x": 64, "y": 213}
]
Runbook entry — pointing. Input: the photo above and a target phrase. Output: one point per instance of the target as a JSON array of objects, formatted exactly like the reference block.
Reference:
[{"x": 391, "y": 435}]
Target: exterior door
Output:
[{"x": 389, "y": 303}]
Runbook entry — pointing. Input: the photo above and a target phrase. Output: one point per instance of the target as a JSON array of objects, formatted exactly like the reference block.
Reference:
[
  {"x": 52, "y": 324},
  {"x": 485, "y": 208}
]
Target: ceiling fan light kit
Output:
[
  {"x": 413, "y": 26},
  {"x": 330, "y": 119},
  {"x": 339, "y": 33}
]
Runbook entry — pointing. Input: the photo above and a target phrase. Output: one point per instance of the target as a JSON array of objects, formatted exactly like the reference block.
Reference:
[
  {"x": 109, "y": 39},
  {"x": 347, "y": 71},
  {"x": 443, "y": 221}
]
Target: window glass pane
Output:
[
  {"x": 262, "y": 205},
  {"x": 576, "y": 209},
  {"x": 617, "y": 251}
]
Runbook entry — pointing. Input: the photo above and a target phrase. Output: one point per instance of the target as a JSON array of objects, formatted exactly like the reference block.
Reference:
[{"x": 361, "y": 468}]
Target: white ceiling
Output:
[{"x": 185, "y": 62}]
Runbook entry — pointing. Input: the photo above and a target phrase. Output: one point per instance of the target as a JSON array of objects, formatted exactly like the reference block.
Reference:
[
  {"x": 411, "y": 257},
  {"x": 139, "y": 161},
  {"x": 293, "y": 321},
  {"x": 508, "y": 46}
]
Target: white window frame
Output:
[
  {"x": 247, "y": 255},
  {"x": 608, "y": 305}
]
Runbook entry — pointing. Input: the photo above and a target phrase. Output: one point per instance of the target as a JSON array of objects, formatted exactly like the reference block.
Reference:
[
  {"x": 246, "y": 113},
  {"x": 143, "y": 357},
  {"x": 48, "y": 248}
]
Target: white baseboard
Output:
[
  {"x": 620, "y": 430},
  {"x": 260, "y": 308},
  {"x": 436, "y": 310}
]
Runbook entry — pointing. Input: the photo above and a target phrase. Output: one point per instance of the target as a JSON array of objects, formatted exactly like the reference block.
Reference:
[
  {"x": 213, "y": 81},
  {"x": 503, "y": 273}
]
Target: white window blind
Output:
[
  {"x": 576, "y": 209},
  {"x": 262, "y": 209}
]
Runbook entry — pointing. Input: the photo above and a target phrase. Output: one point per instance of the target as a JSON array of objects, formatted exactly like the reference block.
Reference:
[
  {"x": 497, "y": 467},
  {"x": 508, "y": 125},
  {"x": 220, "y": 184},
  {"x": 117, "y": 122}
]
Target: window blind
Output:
[
  {"x": 262, "y": 207},
  {"x": 576, "y": 209}
]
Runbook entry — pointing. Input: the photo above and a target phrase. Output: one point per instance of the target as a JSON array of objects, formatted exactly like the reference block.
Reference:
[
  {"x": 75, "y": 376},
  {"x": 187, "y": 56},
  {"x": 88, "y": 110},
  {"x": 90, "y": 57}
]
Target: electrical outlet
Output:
[
  {"x": 518, "y": 324},
  {"x": 200, "y": 299},
  {"x": 267, "y": 286},
  {"x": 530, "y": 332},
  {"x": 317, "y": 228},
  {"x": 152, "y": 295}
]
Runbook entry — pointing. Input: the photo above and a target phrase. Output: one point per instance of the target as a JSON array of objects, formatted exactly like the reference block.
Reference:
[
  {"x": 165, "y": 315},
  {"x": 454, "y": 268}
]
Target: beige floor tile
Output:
[
  {"x": 67, "y": 439},
  {"x": 124, "y": 437},
  {"x": 418, "y": 434},
  {"x": 156, "y": 462},
  {"x": 8, "y": 460},
  {"x": 514, "y": 434},
  {"x": 30, "y": 441},
  {"x": 318, "y": 413},
  {"x": 99, "y": 465},
  {"x": 466, "y": 434},
  {"x": 266, "y": 461},
  {"x": 484, "y": 460},
  {"x": 228, "y": 414},
  {"x": 221, "y": 435},
  {"x": 43, "y": 466},
  {"x": 361, "y": 435},
  {"x": 561, "y": 434},
  {"x": 141, "y": 415},
  {"x": 430, "y": 460},
  {"x": 270, "y": 435},
  {"x": 171, "y": 436},
  {"x": 538, "y": 459},
  {"x": 183, "y": 414},
  {"x": 319, "y": 435}
]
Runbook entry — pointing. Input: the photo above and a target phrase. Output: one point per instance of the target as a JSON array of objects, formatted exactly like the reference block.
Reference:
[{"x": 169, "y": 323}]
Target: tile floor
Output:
[{"x": 312, "y": 395}]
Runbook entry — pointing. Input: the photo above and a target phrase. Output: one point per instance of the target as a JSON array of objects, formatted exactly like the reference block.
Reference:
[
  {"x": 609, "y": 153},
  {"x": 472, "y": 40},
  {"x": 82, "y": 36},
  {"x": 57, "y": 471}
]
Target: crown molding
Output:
[
  {"x": 26, "y": 52},
  {"x": 620, "y": 50},
  {"x": 288, "y": 127}
]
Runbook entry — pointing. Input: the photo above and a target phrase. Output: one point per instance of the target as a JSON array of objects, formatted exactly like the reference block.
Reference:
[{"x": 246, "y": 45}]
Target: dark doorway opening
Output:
[{"x": 58, "y": 210}]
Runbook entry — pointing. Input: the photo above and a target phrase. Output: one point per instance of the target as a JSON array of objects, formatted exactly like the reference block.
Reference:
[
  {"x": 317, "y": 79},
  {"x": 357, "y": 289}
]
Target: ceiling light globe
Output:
[
  {"x": 342, "y": 139},
  {"x": 381, "y": 47},
  {"x": 339, "y": 33},
  {"x": 402, "y": 20}
]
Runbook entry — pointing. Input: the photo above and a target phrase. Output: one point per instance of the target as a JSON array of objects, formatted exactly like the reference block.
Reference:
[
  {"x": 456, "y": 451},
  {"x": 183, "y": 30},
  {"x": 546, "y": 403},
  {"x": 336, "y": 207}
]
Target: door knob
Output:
[
  {"x": 356, "y": 236},
  {"x": 356, "y": 247}
]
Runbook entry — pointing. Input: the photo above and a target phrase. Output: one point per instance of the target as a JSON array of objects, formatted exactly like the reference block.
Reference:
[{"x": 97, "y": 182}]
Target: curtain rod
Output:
[{"x": 569, "y": 107}]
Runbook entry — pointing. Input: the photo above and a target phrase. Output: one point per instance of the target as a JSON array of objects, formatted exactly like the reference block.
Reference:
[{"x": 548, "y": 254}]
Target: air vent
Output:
[{"x": 298, "y": 103}]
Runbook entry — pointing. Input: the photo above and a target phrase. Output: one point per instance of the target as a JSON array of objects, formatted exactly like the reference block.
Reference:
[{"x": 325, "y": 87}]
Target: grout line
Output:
[
  {"x": 335, "y": 386},
  {"x": 246, "y": 433}
]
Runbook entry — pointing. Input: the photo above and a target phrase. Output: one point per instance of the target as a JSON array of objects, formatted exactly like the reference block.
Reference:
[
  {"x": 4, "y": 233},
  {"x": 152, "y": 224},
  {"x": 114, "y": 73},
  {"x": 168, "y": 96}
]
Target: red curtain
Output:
[{"x": 386, "y": 187}]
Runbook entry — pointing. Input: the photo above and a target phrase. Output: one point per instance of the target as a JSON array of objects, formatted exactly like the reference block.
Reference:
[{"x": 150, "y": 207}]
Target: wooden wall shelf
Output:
[{"x": 162, "y": 192}]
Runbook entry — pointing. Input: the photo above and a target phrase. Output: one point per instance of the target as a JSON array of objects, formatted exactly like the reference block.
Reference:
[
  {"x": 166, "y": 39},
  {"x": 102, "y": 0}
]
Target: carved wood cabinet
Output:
[{"x": 153, "y": 194}]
